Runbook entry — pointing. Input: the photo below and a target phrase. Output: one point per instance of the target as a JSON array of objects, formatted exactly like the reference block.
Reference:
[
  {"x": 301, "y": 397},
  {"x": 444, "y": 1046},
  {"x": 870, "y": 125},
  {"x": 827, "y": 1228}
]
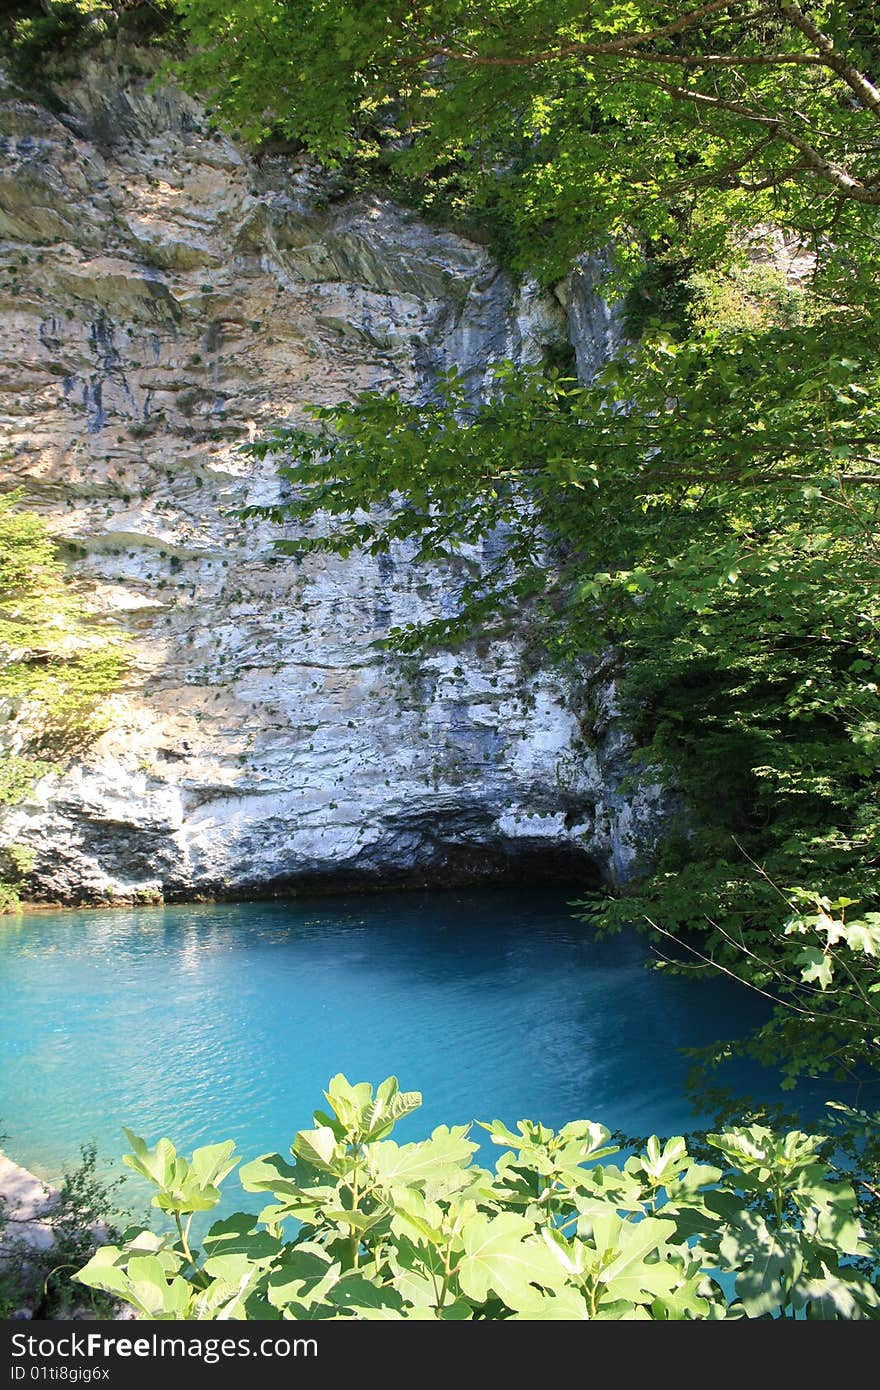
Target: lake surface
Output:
[{"x": 212, "y": 1022}]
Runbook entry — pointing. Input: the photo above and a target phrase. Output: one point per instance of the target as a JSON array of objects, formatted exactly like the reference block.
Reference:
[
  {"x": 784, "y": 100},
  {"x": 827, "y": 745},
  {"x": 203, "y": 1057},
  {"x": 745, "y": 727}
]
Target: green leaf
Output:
[
  {"x": 362, "y": 1297},
  {"x": 863, "y": 937},
  {"x": 187, "y": 1195},
  {"x": 232, "y": 1271},
  {"x": 437, "y": 1165},
  {"x": 500, "y": 1134},
  {"x": 305, "y": 1276},
  {"x": 502, "y": 1254},
  {"x": 692, "y": 1183},
  {"x": 350, "y": 1103},
  {"x": 270, "y": 1173},
  {"x": 562, "y": 1305},
  {"x": 661, "y": 1164},
  {"x": 590, "y": 1137},
  {"x": 210, "y": 1165},
  {"x": 837, "y": 1296},
  {"x": 413, "y": 1214},
  {"x": 157, "y": 1165},
  {"x": 239, "y": 1235},
  {"x": 836, "y": 1206},
  {"x": 627, "y": 1243},
  {"x": 817, "y": 966},
  {"x": 319, "y": 1147},
  {"x": 389, "y": 1106},
  {"x": 688, "y": 1300},
  {"x": 773, "y": 1267},
  {"x": 152, "y": 1292},
  {"x": 106, "y": 1271},
  {"x": 353, "y": 1218}
]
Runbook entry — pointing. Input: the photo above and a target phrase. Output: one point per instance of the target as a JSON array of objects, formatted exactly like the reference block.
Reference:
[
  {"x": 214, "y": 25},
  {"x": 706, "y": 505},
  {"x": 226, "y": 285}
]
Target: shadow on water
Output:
[{"x": 207, "y": 1022}]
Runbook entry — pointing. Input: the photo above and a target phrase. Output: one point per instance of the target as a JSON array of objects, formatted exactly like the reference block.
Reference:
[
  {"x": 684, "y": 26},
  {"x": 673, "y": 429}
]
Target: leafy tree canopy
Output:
[
  {"x": 38, "y": 38},
  {"x": 661, "y": 120}
]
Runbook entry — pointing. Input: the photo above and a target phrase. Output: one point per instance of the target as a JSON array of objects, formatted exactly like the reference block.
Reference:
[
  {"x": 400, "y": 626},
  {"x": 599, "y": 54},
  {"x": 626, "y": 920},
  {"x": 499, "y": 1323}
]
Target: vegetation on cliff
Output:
[
  {"x": 41, "y": 40},
  {"x": 56, "y": 668},
  {"x": 637, "y": 120}
]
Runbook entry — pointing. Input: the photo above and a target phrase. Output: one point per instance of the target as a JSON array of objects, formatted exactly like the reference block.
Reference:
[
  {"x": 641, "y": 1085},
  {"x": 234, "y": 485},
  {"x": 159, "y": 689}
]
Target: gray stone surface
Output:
[{"x": 165, "y": 297}]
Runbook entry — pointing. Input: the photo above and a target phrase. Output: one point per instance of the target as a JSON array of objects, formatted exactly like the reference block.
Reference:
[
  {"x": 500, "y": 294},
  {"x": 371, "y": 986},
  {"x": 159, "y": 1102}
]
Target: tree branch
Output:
[
  {"x": 716, "y": 965},
  {"x": 629, "y": 50},
  {"x": 855, "y": 80},
  {"x": 733, "y": 166},
  {"x": 827, "y": 169}
]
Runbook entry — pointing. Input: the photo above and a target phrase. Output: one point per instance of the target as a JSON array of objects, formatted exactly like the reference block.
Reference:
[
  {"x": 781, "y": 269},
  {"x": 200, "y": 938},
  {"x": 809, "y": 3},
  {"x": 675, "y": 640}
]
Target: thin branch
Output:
[
  {"x": 762, "y": 871},
  {"x": 772, "y": 181},
  {"x": 733, "y": 166},
  {"x": 628, "y": 49},
  {"x": 716, "y": 965},
  {"x": 818, "y": 163},
  {"x": 840, "y": 960},
  {"x": 750, "y": 984},
  {"x": 776, "y": 970},
  {"x": 843, "y": 477}
]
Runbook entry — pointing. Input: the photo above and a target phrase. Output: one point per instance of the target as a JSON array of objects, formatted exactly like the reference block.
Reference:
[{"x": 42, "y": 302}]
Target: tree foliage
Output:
[
  {"x": 615, "y": 117},
  {"x": 721, "y": 537},
  {"x": 555, "y": 1232},
  {"x": 707, "y": 507},
  {"x": 77, "y": 1217}
]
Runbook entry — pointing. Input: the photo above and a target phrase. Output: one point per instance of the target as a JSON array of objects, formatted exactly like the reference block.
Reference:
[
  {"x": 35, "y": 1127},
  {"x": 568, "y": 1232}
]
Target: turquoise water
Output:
[{"x": 211, "y": 1022}]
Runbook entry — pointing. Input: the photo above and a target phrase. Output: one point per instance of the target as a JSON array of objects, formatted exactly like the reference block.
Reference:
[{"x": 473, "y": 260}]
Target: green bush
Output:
[{"x": 417, "y": 1230}]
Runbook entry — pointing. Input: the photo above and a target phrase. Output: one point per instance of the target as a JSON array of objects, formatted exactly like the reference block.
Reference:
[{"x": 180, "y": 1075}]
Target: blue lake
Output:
[{"x": 211, "y": 1022}]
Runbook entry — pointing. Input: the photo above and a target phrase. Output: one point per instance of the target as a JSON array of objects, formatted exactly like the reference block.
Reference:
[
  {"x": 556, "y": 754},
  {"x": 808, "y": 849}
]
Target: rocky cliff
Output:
[{"x": 165, "y": 296}]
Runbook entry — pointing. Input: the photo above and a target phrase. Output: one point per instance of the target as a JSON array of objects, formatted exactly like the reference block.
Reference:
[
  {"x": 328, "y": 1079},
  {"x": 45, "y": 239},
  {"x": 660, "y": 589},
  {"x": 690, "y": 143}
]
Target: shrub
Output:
[{"x": 417, "y": 1230}]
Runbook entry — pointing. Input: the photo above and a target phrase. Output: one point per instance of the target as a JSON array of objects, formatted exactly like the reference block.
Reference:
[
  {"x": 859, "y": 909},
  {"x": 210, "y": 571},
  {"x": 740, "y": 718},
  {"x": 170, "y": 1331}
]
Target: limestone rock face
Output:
[{"x": 164, "y": 298}]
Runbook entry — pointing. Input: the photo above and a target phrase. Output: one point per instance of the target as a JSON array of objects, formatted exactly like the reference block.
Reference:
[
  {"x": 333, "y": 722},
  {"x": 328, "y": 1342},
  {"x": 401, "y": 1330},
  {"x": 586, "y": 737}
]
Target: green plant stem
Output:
[
  {"x": 183, "y": 1234},
  {"x": 355, "y": 1198}
]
